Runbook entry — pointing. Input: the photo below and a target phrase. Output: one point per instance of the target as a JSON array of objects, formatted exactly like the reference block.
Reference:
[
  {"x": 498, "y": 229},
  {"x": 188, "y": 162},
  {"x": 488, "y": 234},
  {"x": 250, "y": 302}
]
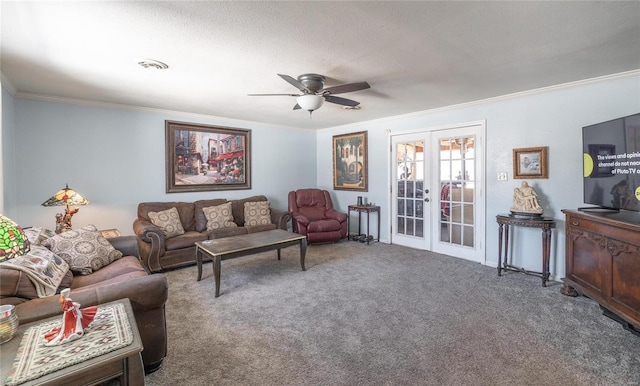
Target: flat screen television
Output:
[{"x": 611, "y": 153}]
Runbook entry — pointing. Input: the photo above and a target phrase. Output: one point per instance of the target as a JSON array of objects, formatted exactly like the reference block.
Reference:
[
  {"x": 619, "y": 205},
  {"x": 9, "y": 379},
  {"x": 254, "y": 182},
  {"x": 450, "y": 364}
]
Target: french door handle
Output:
[
  {"x": 426, "y": 190},
  {"x": 426, "y": 200}
]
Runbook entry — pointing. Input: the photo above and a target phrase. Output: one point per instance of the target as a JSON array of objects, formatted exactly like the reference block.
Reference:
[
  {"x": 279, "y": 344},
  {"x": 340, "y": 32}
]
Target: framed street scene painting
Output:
[
  {"x": 350, "y": 162},
  {"x": 203, "y": 158}
]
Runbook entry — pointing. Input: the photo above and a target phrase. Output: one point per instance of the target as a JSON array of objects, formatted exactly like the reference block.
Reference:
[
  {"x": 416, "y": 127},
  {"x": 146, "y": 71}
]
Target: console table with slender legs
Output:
[
  {"x": 545, "y": 223},
  {"x": 368, "y": 209}
]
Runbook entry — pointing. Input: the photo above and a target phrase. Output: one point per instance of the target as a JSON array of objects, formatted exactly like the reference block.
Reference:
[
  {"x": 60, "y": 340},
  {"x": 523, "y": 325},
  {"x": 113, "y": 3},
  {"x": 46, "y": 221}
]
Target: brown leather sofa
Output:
[
  {"x": 124, "y": 278},
  {"x": 159, "y": 253},
  {"x": 313, "y": 216}
]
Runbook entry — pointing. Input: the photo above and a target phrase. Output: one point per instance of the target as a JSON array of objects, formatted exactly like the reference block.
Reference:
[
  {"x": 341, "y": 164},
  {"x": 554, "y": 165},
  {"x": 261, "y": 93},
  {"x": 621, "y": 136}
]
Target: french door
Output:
[
  {"x": 411, "y": 197},
  {"x": 436, "y": 191}
]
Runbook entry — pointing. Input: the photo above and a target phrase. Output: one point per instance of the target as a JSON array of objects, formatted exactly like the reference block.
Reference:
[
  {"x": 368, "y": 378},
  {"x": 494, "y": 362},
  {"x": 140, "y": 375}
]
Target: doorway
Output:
[{"x": 437, "y": 200}]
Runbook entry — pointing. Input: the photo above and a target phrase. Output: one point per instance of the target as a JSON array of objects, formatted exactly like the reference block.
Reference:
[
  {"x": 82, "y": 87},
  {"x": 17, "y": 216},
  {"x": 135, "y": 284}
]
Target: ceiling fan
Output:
[{"x": 313, "y": 94}]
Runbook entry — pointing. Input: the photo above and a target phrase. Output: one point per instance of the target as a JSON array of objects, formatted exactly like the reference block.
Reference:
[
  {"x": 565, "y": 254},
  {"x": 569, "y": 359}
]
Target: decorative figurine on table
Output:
[
  {"x": 74, "y": 321},
  {"x": 525, "y": 201},
  {"x": 59, "y": 223}
]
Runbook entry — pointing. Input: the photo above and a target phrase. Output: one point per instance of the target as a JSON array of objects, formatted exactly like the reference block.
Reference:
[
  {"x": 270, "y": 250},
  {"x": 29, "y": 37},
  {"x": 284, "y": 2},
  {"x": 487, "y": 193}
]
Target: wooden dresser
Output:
[{"x": 603, "y": 262}]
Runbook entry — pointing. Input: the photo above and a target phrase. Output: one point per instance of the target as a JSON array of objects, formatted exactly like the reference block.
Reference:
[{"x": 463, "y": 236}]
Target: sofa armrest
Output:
[
  {"x": 145, "y": 230},
  {"x": 151, "y": 244},
  {"x": 145, "y": 293},
  {"x": 128, "y": 245},
  {"x": 280, "y": 217},
  {"x": 300, "y": 218},
  {"x": 335, "y": 215}
]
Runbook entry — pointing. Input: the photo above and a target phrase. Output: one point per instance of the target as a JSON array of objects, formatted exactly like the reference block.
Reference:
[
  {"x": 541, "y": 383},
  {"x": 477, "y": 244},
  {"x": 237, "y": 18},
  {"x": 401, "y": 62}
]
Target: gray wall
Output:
[
  {"x": 116, "y": 159},
  {"x": 552, "y": 117},
  {"x": 8, "y": 176}
]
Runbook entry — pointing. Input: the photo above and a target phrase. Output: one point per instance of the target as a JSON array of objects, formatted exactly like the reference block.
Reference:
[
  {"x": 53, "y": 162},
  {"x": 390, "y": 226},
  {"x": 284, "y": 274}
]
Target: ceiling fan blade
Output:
[
  {"x": 295, "y": 83},
  {"x": 295, "y": 95},
  {"x": 341, "y": 101},
  {"x": 349, "y": 87},
  {"x": 297, "y": 107}
]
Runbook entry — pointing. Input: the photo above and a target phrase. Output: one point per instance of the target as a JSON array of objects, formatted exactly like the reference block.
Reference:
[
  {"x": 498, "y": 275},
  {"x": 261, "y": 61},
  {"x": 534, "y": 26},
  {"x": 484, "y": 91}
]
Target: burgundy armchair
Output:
[{"x": 313, "y": 216}]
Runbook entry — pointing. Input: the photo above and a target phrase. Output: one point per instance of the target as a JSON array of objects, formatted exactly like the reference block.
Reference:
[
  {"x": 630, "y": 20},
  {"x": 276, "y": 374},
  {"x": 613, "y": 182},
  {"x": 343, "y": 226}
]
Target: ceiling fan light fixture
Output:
[{"x": 310, "y": 102}]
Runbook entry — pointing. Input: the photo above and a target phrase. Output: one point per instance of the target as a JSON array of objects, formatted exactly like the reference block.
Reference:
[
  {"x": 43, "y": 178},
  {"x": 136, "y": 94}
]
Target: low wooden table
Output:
[
  {"x": 124, "y": 363},
  {"x": 243, "y": 245}
]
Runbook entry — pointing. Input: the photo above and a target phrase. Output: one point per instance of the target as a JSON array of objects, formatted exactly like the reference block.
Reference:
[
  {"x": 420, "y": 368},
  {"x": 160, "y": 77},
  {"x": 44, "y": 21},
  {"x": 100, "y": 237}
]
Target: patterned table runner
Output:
[{"x": 110, "y": 331}]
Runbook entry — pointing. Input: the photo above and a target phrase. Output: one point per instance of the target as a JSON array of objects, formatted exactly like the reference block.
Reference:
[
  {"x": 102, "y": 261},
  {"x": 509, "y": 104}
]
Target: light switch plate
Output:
[{"x": 502, "y": 176}]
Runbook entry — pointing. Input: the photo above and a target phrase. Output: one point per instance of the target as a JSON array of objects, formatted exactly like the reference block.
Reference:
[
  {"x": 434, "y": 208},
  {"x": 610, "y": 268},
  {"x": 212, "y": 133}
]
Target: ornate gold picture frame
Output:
[
  {"x": 530, "y": 162},
  {"x": 350, "y": 162},
  {"x": 203, "y": 158}
]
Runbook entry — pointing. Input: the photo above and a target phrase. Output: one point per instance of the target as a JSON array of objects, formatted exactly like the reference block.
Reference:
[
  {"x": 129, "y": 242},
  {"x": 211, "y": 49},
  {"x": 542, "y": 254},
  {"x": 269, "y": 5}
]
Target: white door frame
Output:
[{"x": 480, "y": 255}]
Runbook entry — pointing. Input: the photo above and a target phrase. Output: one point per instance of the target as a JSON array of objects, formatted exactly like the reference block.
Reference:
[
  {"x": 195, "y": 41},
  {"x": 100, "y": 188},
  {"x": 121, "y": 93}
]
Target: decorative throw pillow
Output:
[
  {"x": 169, "y": 221},
  {"x": 37, "y": 235},
  {"x": 45, "y": 270},
  {"x": 257, "y": 213},
  {"x": 13, "y": 241},
  {"x": 219, "y": 217},
  {"x": 84, "y": 249}
]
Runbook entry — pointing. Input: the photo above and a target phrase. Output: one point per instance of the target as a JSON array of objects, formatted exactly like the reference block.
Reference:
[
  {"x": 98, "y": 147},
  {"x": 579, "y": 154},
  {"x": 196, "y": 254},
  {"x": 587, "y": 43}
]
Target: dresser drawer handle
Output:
[{"x": 575, "y": 223}]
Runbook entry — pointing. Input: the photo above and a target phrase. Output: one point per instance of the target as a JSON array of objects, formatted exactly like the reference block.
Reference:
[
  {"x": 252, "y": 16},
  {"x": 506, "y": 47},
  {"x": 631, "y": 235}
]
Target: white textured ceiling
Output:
[{"x": 415, "y": 55}]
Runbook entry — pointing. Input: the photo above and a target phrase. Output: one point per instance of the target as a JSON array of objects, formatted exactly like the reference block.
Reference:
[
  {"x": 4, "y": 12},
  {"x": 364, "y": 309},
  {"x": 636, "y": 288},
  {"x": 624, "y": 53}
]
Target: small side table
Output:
[
  {"x": 545, "y": 223},
  {"x": 368, "y": 209},
  {"x": 124, "y": 363}
]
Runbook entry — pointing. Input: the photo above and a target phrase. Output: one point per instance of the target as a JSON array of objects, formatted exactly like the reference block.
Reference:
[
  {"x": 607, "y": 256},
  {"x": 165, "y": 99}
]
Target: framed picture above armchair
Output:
[{"x": 350, "y": 162}]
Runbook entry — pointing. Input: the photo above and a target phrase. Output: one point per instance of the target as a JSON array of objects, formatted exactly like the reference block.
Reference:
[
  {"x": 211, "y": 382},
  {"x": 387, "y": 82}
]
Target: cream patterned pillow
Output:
[
  {"x": 257, "y": 213},
  {"x": 169, "y": 221},
  {"x": 84, "y": 249},
  {"x": 37, "y": 235},
  {"x": 219, "y": 217}
]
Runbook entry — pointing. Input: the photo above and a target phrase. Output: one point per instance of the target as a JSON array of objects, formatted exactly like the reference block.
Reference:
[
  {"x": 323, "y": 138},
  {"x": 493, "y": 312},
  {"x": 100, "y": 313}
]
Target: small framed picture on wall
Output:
[{"x": 530, "y": 162}]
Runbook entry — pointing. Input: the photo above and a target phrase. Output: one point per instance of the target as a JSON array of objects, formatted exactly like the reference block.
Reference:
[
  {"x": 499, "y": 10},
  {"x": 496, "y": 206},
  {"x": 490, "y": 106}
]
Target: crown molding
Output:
[
  {"x": 6, "y": 83},
  {"x": 562, "y": 86},
  {"x": 232, "y": 122},
  {"x": 92, "y": 103}
]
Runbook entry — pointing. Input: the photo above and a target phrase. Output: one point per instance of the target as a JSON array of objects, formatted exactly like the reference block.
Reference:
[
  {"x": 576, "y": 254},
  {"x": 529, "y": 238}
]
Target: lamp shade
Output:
[
  {"x": 66, "y": 197},
  {"x": 13, "y": 241},
  {"x": 310, "y": 102}
]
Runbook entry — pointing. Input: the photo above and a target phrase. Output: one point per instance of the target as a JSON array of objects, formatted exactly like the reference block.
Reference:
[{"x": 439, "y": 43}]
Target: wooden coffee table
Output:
[
  {"x": 124, "y": 363},
  {"x": 243, "y": 245}
]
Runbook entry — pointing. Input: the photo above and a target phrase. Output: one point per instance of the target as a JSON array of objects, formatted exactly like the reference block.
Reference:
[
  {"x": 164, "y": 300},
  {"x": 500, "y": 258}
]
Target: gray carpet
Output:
[{"x": 385, "y": 315}]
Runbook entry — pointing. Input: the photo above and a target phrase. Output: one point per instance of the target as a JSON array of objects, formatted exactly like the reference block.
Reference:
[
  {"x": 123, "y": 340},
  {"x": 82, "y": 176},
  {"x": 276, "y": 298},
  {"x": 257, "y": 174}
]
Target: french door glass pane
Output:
[
  {"x": 410, "y": 185},
  {"x": 419, "y": 209},
  {"x": 457, "y": 190},
  {"x": 419, "y": 228},
  {"x": 401, "y": 188}
]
